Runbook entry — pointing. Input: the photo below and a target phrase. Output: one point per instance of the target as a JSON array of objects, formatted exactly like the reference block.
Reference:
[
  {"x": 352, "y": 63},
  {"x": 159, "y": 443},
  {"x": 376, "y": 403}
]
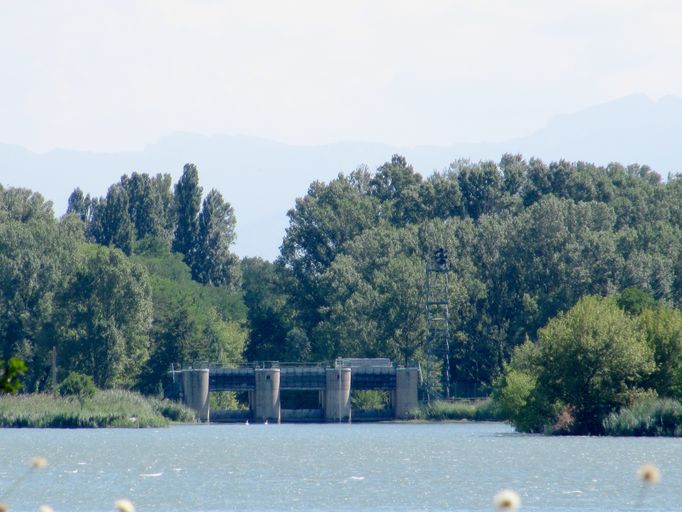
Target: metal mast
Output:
[{"x": 437, "y": 291}]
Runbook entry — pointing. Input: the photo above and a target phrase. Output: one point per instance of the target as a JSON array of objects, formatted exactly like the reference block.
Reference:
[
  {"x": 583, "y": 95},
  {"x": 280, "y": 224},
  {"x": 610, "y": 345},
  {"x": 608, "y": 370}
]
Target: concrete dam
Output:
[{"x": 332, "y": 383}]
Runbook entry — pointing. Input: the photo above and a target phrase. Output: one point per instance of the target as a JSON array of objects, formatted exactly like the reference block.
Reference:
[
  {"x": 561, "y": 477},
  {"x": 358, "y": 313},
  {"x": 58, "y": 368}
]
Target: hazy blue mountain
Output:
[{"x": 262, "y": 178}]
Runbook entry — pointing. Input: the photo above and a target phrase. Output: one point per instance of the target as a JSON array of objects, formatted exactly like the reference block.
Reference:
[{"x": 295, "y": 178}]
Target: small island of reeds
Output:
[{"x": 106, "y": 408}]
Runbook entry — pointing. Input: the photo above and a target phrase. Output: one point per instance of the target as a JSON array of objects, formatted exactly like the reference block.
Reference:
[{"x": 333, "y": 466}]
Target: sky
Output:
[{"x": 118, "y": 75}]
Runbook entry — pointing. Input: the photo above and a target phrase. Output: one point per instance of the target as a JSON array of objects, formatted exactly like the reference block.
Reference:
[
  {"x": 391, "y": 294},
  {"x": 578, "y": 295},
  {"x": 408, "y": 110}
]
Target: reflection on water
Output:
[{"x": 334, "y": 467}]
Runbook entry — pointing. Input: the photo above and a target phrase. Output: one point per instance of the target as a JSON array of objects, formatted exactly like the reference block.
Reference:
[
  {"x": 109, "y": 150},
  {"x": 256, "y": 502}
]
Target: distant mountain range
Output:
[{"x": 262, "y": 178}]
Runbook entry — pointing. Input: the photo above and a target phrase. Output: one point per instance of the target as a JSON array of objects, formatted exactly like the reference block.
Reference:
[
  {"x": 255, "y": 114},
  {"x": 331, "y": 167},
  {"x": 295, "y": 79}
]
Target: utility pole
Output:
[{"x": 53, "y": 369}]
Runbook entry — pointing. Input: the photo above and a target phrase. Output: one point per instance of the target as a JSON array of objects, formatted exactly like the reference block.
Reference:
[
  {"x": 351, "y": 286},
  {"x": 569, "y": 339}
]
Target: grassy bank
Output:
[
  {"x": 646, "y": 417},
  {"x": 479, "y": 410},
  {"x": 111, "y": 408}
]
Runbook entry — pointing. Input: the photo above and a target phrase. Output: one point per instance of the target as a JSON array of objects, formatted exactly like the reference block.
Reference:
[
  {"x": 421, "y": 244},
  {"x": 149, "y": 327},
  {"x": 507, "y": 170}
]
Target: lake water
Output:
[{"x": 359, "y": 467}]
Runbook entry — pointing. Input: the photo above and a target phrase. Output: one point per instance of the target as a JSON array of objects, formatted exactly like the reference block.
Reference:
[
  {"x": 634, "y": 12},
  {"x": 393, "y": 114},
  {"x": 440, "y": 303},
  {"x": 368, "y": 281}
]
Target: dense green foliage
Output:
[
  {"x": 590, "y": 362},
  {"x": 100, "y": 289},
  {"x": 526, "y": 241},
  {"x": 10, "y": 378},
  {"x": 78, "y": 385},
  {"x": 124, "y": 286},
  {"x": 191, "y": 323},
  {"x": 104, "y": 317},
  {"x": 111, "y": 408},
  {"x": 369, "y": 399}
]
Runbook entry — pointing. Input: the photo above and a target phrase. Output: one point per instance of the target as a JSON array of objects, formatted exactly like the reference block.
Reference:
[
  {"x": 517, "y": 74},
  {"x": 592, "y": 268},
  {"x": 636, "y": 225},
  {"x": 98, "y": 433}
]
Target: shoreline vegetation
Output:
[
  {"x": 647, "y": 417},
  {"x": 108, "y": 408},
  {"x": 564, "y": 291},
  {"x": 461, "y": 410}
]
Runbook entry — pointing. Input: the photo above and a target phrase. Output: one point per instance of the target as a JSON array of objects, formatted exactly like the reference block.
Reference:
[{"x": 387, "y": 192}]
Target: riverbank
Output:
[
  {"x": 469, "y": 410},
  {"x": 110, "y": 408}
]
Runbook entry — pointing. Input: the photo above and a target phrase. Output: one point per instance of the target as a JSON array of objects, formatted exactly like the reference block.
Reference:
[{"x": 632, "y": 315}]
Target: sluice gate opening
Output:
[{"x": 302, "y": 393}]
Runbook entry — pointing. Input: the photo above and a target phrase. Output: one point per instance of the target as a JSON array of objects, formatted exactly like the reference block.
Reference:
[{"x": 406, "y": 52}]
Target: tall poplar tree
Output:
[
  {"x": 144, "y": 207},
  {"x": 163, "y": 190},
  {"x": 212, "y": 261},
  {"x": 117, "y": 229},
  {"x": 78, "y": 204},
  {"x": 187, "y": 204}
]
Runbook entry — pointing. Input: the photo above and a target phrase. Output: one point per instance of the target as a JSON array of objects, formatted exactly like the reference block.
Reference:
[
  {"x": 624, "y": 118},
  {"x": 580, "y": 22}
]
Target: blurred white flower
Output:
[
  {"x": 507, "y": 500},
  {"x": 124, "y": 506},
  {"x": 39, "y": 462},
  {"x": 649, "y": 474}
]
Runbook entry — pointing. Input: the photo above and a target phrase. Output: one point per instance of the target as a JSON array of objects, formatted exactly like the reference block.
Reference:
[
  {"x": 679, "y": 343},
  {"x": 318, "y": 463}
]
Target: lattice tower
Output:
[{"x": 437, "y": 294}]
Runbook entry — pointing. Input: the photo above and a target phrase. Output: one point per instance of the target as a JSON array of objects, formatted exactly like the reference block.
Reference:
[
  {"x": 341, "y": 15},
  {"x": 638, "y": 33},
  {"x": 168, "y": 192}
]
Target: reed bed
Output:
[
  {"x": 646, "y": 417},
  {"x": 471, "y": 410},
  {"x": 110, "y": 408}
]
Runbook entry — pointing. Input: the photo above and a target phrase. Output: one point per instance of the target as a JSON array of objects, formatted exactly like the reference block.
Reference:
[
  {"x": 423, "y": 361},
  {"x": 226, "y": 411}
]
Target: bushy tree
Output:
[
  {"x": 78, "y": 385},
  {"x": 586, "y": 363},
  {"x": 662, "y": 329},
  {"x": 104, "y": 318},
  {"x": 399, "y": 188},
  {"x": 36, "y": 256},
  {"x": 481, "y": 187}
]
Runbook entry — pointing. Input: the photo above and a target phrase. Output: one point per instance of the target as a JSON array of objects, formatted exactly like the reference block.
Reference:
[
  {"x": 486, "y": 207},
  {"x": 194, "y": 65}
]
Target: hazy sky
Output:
[{"x": 115, "y": 75}]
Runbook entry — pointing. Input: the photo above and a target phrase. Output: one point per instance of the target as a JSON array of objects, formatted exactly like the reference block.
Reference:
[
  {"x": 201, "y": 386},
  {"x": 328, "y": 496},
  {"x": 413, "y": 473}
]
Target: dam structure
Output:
[{"x": 330, "y": 384}]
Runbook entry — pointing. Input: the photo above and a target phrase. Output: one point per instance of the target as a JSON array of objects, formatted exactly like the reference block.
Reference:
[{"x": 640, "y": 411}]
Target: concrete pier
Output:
[
  {"x": 267, "y": 407},
  {"x": 337, "y": 394},
  {"x": 195, "y": 388},
  {"x": 406, "y": 384}
]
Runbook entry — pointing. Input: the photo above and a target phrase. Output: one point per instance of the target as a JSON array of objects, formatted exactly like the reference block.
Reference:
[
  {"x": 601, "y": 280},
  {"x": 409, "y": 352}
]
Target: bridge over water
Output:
[{"x": 265, "y": 382}]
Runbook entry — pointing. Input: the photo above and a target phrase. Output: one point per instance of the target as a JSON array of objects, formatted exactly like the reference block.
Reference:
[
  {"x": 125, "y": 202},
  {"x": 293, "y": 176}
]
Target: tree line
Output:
[
  {"x": 144, "y": 277},
  {"x": 142, "y": 206},
  {"x": 526, "y": 241},
  {"x": 120, "y": 287}
]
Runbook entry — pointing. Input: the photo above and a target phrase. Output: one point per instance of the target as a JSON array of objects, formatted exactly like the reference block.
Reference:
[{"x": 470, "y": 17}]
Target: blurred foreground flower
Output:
[
  {"x": 124, "y": 506},
  {"x": 649, "y": 474},
  {"x": 507, "y": 500},
  {"x": 45, "y": 508},
  {"x": 36, "y": 463},
  {"x": 39, "y": 462}
]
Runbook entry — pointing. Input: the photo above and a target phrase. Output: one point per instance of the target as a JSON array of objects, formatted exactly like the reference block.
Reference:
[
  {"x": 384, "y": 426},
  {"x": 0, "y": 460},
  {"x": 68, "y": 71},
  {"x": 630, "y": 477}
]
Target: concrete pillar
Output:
[
  {"x": 267, "y": 395},
  {"x": 337, "y": 394},
  {"x": 195, "y": 390},
  {"x": 406, "y": 383},
  {"x": 252, "y": 403}
]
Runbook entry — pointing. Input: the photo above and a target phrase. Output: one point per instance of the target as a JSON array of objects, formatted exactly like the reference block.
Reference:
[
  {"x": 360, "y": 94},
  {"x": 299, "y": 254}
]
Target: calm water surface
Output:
[{"x": 434, "y": 467}]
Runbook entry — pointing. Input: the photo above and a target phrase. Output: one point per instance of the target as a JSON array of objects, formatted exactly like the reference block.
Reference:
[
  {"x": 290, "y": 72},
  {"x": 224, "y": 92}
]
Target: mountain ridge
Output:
[{"x": 262, "y": 178}]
